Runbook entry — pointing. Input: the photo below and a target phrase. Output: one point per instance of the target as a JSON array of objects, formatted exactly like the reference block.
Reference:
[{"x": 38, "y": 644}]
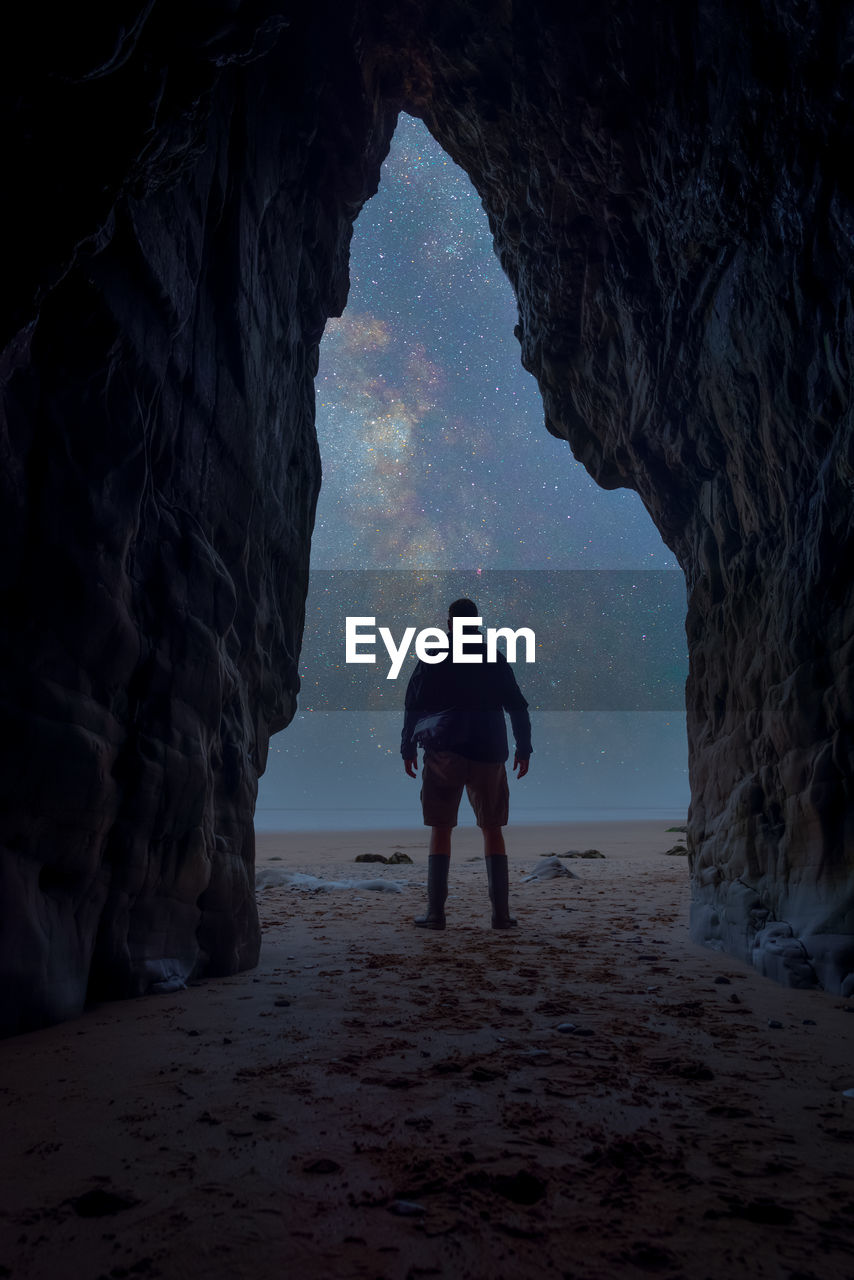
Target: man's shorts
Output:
[{"x": 443, "y": 777}]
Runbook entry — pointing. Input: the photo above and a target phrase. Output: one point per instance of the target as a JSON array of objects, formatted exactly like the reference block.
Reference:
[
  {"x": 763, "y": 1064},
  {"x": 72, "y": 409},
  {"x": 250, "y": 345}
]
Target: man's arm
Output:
[
  {"x": 515, "y": 704},
  {"x": 408, "y": 748}
]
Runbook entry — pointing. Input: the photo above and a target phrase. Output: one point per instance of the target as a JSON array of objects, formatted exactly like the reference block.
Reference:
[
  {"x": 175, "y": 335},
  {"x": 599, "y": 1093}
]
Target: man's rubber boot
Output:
[
  {"x": 499, "y": 889},
  {"x": 437, "y": 892}
]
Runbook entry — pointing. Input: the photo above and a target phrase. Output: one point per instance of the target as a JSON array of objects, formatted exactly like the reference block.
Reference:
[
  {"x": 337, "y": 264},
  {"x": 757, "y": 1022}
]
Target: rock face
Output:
[
  {"x": 184, "y": 241},
  {"x": 670, "y": 195}
]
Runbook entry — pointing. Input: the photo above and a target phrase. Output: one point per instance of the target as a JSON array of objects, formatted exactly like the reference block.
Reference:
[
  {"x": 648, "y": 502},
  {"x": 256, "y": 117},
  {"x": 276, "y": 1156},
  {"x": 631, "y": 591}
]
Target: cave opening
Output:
[{"x": 435, "y": 459}]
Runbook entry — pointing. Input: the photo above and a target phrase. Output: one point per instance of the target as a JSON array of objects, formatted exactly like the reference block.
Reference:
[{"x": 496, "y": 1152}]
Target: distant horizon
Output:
[{"x": 406, "y": 819}]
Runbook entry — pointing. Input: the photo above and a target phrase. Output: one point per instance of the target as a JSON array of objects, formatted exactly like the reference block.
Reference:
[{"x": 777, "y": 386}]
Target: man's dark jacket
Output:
[{"x": 472, "y": 699}]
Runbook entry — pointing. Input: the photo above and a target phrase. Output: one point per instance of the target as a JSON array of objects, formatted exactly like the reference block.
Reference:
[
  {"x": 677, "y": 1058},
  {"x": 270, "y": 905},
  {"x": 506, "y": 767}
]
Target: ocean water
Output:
[{"x": 388, "y": 819}]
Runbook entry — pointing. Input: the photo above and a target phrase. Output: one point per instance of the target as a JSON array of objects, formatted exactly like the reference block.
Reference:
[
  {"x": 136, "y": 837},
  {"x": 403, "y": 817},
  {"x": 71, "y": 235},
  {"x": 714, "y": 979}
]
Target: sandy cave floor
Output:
[{"x": 271, "y": 1124}]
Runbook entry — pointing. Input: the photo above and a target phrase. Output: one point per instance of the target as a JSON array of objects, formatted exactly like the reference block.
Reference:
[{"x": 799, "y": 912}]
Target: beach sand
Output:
[{"x": 381, "y": 1101}]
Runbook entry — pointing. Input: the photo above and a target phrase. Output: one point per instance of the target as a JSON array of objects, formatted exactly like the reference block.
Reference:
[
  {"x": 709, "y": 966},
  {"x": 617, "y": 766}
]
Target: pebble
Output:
[
  {"x": 772, "y": 1022},
  {"x": 848, "y": 1094},
  {"x": 723, "y": 982},
  {"x": 809, "y": 1022},
  {"x": 321, "y": 1166},
  {"x": 99, "y": 1203}
]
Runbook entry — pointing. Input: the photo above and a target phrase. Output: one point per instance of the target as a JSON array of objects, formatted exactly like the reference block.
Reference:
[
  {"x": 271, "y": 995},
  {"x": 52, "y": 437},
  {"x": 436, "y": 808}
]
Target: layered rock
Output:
[
  {"x": 669, "y": 195},
  {"x": 159, "y": 489}
]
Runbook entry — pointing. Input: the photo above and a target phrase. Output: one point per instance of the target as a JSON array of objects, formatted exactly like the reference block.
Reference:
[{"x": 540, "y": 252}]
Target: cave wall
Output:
[
  {"x": 668, "y": 192},
  {"x": 159, "y": 489}
]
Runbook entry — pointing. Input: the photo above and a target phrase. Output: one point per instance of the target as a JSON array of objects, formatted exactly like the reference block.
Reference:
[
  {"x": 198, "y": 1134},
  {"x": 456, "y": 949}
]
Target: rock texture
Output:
[
  {"x": 670, "y": 195},
  {"x": 187, "y": 199}
]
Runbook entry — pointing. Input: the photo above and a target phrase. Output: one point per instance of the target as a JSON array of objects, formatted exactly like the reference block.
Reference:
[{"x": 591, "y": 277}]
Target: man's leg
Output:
[
  {"x": 489, "y": 796},
  {"x": 438, "y": 863},
  {"x": 440, "y": 841},
  {"x": 441, "y": 790},
  {"x": 493, "y": 842},
  {"x": 498, "y": 877}
]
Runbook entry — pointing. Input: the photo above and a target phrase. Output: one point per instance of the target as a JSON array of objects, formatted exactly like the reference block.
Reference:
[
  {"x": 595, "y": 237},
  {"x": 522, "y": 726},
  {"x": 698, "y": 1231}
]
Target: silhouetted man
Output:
[{"x": 455, "y": 712}]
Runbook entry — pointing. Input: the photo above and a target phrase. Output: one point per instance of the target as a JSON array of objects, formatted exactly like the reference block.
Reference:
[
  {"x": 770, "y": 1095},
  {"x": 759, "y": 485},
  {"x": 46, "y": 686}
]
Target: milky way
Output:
[{"x": 434, "y": 450}]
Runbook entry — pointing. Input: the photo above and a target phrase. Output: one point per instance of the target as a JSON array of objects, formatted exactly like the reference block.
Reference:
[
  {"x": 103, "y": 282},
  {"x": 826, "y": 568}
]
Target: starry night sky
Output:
[
  {"x": 431, "y": 432},
  {"x": 435, "y": 456}
]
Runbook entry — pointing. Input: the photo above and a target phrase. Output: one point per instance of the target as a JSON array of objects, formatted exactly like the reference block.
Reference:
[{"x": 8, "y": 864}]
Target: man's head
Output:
[{"x": 461, "y": 608}]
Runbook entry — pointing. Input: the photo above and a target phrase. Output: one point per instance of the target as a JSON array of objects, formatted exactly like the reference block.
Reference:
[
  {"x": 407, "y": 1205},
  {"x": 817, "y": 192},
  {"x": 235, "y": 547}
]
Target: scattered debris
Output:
[
  {"x": 273, "y": 878},
  {"x": 678, "y": 851},
  {"x": 406, "y": 1208},
  {"x": 550, "y": 870},
  {"x": 575, "y": 853},
  {"x": 322, "y": 1165},
  {"x": 396, "y": 859},
  {"x": 100, "y": 1203}
]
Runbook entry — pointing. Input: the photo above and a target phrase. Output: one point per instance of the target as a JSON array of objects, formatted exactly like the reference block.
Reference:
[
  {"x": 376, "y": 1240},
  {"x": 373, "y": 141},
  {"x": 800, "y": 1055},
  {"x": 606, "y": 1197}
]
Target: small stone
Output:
[
  {"x": 722, "y": 982},
  {"x": 397, "y": 859},
  {"x": 809, "y": 1022},
  {"x": 100, "y": 1203},
  {"x": 263, "y": 1115},
  {"x": 282, "y": 1003},
  {"x": 677, "y": 851},
  {"x": 322, "y": 1165},
  {"x": 772, "y": 1022},
  {"x": 371, "y": 857},
  {"x": 566, "y": 1027},
  {"x": 406, "y": 1208}
]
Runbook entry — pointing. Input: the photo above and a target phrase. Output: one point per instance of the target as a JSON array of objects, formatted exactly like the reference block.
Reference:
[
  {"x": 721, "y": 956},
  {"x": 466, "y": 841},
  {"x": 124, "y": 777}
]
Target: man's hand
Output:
[
  {"x": 411, "y": 767},
  {"x": 521, "y": 765}
]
